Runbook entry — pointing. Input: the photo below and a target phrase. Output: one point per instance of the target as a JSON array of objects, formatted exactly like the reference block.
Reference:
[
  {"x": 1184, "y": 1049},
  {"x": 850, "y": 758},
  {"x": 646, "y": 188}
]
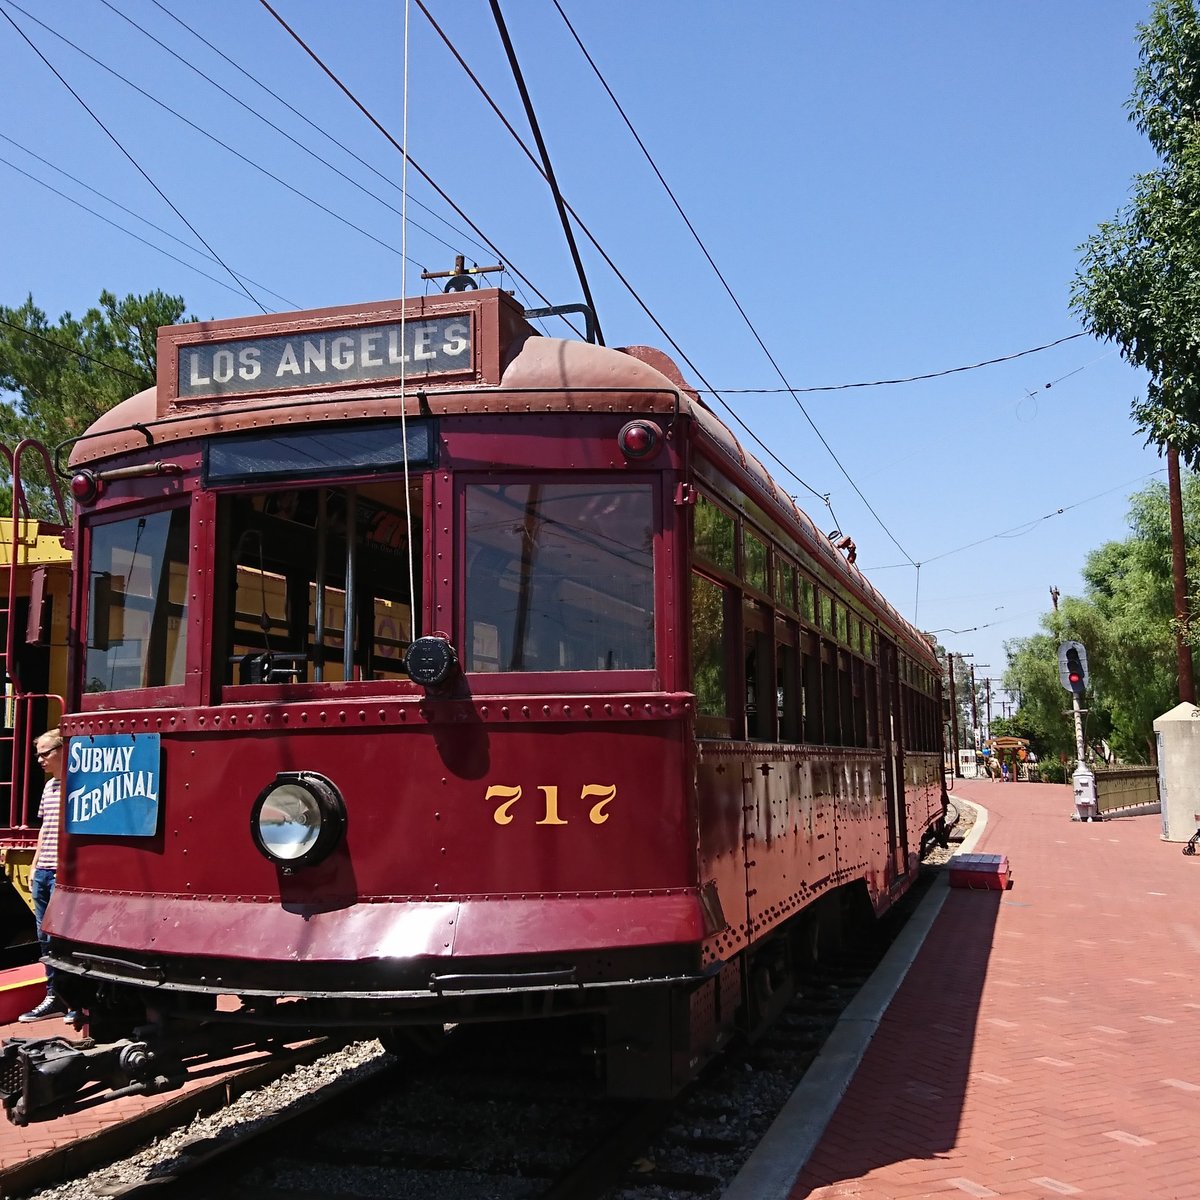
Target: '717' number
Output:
[{"x": 602, "y": 794}]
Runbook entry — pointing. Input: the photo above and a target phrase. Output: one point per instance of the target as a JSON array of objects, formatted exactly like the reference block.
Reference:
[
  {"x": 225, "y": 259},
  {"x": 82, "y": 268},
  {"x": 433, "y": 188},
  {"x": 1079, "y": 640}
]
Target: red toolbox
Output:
[{"x": 981, "y": 872}]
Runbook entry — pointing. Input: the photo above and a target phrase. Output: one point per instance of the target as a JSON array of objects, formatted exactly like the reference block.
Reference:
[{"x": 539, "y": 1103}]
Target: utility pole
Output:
[
  {"x": 975, "y": 705},
  {"x": 955, "y": 769},
  {"x": 1183, "y": 650},
  {"x": 987, "y": 692}
]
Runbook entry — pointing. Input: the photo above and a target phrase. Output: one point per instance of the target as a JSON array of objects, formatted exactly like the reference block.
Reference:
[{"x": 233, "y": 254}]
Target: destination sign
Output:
[
  {"x": 112, "y": 785},
  {"x": 328, "y": 358}
]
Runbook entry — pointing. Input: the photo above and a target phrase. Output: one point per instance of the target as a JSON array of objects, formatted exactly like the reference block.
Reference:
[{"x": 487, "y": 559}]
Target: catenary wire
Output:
[
  {"x": 794, "y": 392},
  {"x": 323, "y": 132},
  {"x": 71, "y": 351},
  {"x": 116, "y": 142},
  {"x": 271, "y": 124},
  {"x": 129, "y": 232},
  {"x": 213, "y": 138}
]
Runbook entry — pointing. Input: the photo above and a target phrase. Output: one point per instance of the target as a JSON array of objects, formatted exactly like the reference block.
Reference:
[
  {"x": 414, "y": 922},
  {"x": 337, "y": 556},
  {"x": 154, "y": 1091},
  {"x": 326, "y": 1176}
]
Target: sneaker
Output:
[
  {"x": 72, "y": 1018},
  {"x": 52, "y": 1006}
]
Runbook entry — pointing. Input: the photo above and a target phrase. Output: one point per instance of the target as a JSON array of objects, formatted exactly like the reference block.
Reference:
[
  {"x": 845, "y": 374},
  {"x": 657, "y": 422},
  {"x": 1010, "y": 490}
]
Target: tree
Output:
[
  {"x": 1139, "y": 278},
  {"x": 57, "y": 378},
  {"x": 1125, "y": 621}
]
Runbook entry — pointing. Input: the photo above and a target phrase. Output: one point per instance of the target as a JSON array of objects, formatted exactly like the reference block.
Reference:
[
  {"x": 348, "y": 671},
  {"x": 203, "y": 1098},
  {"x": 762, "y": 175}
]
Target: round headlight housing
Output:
[{"x": 297, "y": 819}]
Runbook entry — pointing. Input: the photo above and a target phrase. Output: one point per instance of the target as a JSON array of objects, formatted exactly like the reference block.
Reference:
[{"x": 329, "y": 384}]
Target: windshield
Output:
[{"x": 560, "y": 577}]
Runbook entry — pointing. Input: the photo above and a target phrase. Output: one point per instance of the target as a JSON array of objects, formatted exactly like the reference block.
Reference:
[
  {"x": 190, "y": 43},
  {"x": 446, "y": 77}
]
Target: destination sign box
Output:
[{"x": 326, "y": 358}]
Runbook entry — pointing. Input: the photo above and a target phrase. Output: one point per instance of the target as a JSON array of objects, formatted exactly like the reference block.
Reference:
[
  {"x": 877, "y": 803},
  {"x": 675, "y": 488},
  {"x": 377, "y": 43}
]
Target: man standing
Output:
[{"x": 51, "y": 759}]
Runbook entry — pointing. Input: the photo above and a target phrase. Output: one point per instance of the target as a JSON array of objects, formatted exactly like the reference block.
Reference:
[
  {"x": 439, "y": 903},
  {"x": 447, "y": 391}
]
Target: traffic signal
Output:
[{"x": 1072, "y": 667}]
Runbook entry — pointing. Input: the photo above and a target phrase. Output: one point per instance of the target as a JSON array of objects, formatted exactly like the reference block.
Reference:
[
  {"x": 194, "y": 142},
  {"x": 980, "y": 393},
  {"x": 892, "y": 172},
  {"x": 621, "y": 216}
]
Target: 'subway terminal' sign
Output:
[{"x": 112, "y": 785}]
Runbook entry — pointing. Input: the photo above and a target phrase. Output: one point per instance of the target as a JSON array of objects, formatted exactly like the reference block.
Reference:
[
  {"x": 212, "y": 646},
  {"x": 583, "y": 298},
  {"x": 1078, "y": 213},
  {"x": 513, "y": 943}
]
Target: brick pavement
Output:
[{"x": 1041, "y": 1044}]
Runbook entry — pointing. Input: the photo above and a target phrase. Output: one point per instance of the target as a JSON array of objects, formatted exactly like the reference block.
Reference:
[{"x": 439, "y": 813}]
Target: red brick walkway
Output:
[{"x": 1043, "y": 1043}]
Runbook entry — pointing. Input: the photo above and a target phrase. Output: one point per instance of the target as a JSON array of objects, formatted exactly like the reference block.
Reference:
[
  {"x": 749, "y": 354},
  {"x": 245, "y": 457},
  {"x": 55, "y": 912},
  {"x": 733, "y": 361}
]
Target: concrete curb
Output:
[{"x": 770, "y": 1172}]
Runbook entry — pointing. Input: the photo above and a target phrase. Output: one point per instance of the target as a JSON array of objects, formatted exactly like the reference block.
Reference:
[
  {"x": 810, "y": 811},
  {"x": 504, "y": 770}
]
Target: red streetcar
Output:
[{"x": 431, "y": 670}]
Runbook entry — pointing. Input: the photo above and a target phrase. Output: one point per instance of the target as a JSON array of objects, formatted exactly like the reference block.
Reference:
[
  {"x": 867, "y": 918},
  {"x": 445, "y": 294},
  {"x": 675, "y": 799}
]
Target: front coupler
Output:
[{"x": 41, "y": 1077}]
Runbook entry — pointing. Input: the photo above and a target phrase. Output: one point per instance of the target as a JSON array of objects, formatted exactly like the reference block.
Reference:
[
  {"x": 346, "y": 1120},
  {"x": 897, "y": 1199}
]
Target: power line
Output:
[
  {"x": 362, "y": 108},
  {"x": 931, "y": 375},
  {"x": 323, "y": 132},
  {"x": 1026, "y": 527},
  {"x": 73, "y": 351},
  {"x": 270, "y": 124},
  {"x": 129, "y": 232},
  {"x": 113, "y": 138},
  {"x": 737, "y": 304},
  {"x": 217, "y": 141}
]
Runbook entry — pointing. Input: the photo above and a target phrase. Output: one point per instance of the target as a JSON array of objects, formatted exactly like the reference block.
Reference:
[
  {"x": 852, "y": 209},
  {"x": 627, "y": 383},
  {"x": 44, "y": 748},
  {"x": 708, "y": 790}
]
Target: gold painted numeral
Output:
[{"x": 602, "y": 793}]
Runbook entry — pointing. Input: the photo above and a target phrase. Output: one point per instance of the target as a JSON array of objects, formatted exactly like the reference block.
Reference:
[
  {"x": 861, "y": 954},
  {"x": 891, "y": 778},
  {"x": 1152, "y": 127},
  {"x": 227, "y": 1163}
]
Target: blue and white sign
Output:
[{"x": 112, "y": 785}]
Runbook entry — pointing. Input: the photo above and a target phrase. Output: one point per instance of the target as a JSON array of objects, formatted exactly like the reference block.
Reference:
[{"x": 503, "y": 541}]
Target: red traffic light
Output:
[{"x": 1073, "y": 667}]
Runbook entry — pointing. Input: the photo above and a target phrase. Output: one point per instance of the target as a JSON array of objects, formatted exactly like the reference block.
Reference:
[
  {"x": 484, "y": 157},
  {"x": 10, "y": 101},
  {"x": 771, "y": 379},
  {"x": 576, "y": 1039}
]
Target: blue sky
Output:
[{"x": 889, "y": 189}]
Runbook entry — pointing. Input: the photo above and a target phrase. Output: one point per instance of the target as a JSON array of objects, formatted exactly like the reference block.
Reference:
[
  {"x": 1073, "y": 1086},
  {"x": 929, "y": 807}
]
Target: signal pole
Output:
[{"x": 1073, "y": 674}]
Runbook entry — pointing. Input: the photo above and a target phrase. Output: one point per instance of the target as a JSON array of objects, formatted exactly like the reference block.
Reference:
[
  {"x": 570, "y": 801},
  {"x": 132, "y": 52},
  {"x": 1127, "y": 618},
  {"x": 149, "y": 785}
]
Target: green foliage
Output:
[
  {"x": 56, "y": 378},
  {"x": 1139, "y": 279},
  {"x": 1125, "y": 621}
]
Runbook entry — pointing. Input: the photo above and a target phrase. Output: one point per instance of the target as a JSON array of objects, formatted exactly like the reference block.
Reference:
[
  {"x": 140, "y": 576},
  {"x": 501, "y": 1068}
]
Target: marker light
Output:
[
  {"x": 640, "y": 439},
  {"x": 297, "y": 819},
  {"x": 86, "y": 486}
]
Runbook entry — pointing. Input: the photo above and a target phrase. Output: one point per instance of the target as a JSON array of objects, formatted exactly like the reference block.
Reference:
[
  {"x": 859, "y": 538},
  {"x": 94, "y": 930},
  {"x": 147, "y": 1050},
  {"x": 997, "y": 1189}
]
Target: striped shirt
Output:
[{"x": 46, "y": 857}]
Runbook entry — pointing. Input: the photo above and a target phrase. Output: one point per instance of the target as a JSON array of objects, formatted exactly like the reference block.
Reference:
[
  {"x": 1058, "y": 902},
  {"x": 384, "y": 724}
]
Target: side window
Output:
[
  {"x": 760, "y": 673},
  {"x": 811, "y": 697},
  {"x": 710, "y": 668},
  {"x": 754, "y": 556},
  {"x": 712, "y": 535},
  {"x": 137, "y": 602},
  {"x": 788, "y": 715}
]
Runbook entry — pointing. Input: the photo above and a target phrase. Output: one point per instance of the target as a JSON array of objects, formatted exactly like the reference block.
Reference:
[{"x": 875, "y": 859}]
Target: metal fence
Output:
[{"x": 1119, "y": 788}]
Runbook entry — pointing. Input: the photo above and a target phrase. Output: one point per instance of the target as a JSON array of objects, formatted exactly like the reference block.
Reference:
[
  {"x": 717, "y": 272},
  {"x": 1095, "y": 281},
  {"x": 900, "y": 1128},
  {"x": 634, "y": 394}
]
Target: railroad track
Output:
[{"x": 514, "y": 1114}]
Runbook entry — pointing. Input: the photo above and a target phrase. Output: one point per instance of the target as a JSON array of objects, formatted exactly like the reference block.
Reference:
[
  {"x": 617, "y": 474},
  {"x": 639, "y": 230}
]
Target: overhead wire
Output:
[
  {"x": 116, "y": 142},
  {"x": 137, "y": 217},
  {"x": 1025, "y": 527},
  {"x": 303, "y": 195},
  {"x": 822, "y": 496},
  {"x": 323, "y": 132},
  {"x": 990, "y": 362},
  {"x": 72, "y": 351},
  {"x": 547, "y": 165},
  {"x": 362, "y": 108},
  {"x": 269, "y": 123},
  {"x": 725, "y": 284}
]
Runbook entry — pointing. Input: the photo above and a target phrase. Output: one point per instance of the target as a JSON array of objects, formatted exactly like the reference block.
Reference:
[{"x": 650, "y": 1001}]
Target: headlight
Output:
[{"x": 297, "y": 819}]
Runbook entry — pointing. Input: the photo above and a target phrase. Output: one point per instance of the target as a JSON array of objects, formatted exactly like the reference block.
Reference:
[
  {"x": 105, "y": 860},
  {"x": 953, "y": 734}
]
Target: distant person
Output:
[
  {"x": 1004, "y": 772},
  {"x": 49, "y": 748}
]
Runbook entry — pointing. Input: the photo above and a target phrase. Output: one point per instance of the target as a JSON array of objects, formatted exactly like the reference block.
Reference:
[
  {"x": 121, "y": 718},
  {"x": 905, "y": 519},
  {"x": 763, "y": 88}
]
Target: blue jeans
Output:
[{"x": 42, "y": 888}]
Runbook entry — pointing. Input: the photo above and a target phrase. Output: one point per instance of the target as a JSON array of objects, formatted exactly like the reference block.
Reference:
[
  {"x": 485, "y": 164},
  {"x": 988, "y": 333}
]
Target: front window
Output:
[
  {"x": 137, "y": 603},
  {"x": 559, "y": 577},
  {"x": 295, "y": 556}
]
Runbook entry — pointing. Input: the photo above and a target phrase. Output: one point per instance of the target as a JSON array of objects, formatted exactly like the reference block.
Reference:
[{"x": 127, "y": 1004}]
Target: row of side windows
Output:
[{"x": 806, "y": 670}]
